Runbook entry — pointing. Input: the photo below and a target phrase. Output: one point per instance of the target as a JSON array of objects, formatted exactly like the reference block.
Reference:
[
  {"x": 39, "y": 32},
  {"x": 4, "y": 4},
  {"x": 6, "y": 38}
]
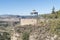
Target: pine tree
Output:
[{"x": 53, "y": 10}]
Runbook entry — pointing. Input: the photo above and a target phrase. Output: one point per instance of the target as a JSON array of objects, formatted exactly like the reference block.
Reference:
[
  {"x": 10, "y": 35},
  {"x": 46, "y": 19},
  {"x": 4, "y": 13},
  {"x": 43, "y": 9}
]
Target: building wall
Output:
[{"x": 28, "y": 21}]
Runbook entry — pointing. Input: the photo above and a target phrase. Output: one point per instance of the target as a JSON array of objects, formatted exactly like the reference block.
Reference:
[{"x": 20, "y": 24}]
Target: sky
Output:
[{"x": 25, "y": 7}]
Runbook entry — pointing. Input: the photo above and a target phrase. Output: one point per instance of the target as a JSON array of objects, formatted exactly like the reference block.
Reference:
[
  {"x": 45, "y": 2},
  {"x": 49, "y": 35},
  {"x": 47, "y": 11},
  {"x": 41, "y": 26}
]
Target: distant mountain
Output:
[
  {"x": 24, "y": 17},
  {"x": 16, "y": 16}
]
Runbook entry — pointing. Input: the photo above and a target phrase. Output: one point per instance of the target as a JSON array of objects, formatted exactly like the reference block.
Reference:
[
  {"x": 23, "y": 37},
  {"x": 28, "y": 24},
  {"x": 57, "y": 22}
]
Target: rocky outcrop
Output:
[{"x": 37, "y": 32}]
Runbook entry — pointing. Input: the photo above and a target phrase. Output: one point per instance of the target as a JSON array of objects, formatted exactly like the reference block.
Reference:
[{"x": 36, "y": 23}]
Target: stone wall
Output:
[{"x": 28, "y": 22}]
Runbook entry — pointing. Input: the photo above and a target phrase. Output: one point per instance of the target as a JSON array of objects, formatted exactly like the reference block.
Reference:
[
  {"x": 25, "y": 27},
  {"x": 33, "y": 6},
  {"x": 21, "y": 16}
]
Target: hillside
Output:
[
  {"x": 52, "y": 15},
  {"x": 47, "y": 30}
]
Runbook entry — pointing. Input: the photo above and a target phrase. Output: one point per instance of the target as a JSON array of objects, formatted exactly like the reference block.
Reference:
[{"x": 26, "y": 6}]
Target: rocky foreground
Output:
[
  {"x": 45, "y": 30},
  {"x": 36, "y": 32}
]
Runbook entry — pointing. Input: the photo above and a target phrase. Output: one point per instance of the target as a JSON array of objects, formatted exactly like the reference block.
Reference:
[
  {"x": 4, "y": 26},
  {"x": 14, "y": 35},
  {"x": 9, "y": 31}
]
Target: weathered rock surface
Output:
[{"x": 37, "y": 32}]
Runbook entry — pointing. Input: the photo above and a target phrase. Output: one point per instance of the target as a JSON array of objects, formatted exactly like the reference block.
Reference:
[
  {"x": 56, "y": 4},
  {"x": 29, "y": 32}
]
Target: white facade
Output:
[{"x": 28, "y": 21}]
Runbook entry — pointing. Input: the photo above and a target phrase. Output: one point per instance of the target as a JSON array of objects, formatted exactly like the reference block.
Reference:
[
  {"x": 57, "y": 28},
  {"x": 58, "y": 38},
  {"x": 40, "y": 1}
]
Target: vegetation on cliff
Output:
[{"x": 52, "y": 15}]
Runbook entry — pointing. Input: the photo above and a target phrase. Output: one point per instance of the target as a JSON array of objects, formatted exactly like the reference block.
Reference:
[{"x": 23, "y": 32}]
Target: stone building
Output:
[{"x": 28, "y": 21}]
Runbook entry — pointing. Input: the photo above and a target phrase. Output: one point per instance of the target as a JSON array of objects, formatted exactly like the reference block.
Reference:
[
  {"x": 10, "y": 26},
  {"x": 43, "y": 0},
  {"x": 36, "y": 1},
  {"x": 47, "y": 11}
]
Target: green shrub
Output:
[
  {"x": 4, "y": 36},
  {"x": 25, "y": 36},
  {"x": 55, "y": 26}
]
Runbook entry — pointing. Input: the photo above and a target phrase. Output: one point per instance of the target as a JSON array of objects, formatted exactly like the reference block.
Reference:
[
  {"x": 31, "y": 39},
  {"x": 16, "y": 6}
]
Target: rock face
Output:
[{"x": 36, "y": 33}]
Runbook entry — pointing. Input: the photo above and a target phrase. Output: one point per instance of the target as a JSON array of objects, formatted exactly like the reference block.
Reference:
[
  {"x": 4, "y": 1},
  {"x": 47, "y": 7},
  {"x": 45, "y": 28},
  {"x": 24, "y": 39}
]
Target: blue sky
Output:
[{"x": 24, "y": 7}]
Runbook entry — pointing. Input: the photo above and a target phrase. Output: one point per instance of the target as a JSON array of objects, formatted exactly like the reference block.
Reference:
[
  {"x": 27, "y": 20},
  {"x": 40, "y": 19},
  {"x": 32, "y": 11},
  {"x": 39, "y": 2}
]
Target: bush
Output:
[
  {"x": 55, "y": 26},
  {"x": 4, "y": 36},
  {"x": 25, "y": 36}
]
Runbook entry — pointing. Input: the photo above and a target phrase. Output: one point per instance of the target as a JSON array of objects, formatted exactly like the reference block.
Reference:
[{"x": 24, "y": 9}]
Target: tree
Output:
[{"x": 53, "y": 10}]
